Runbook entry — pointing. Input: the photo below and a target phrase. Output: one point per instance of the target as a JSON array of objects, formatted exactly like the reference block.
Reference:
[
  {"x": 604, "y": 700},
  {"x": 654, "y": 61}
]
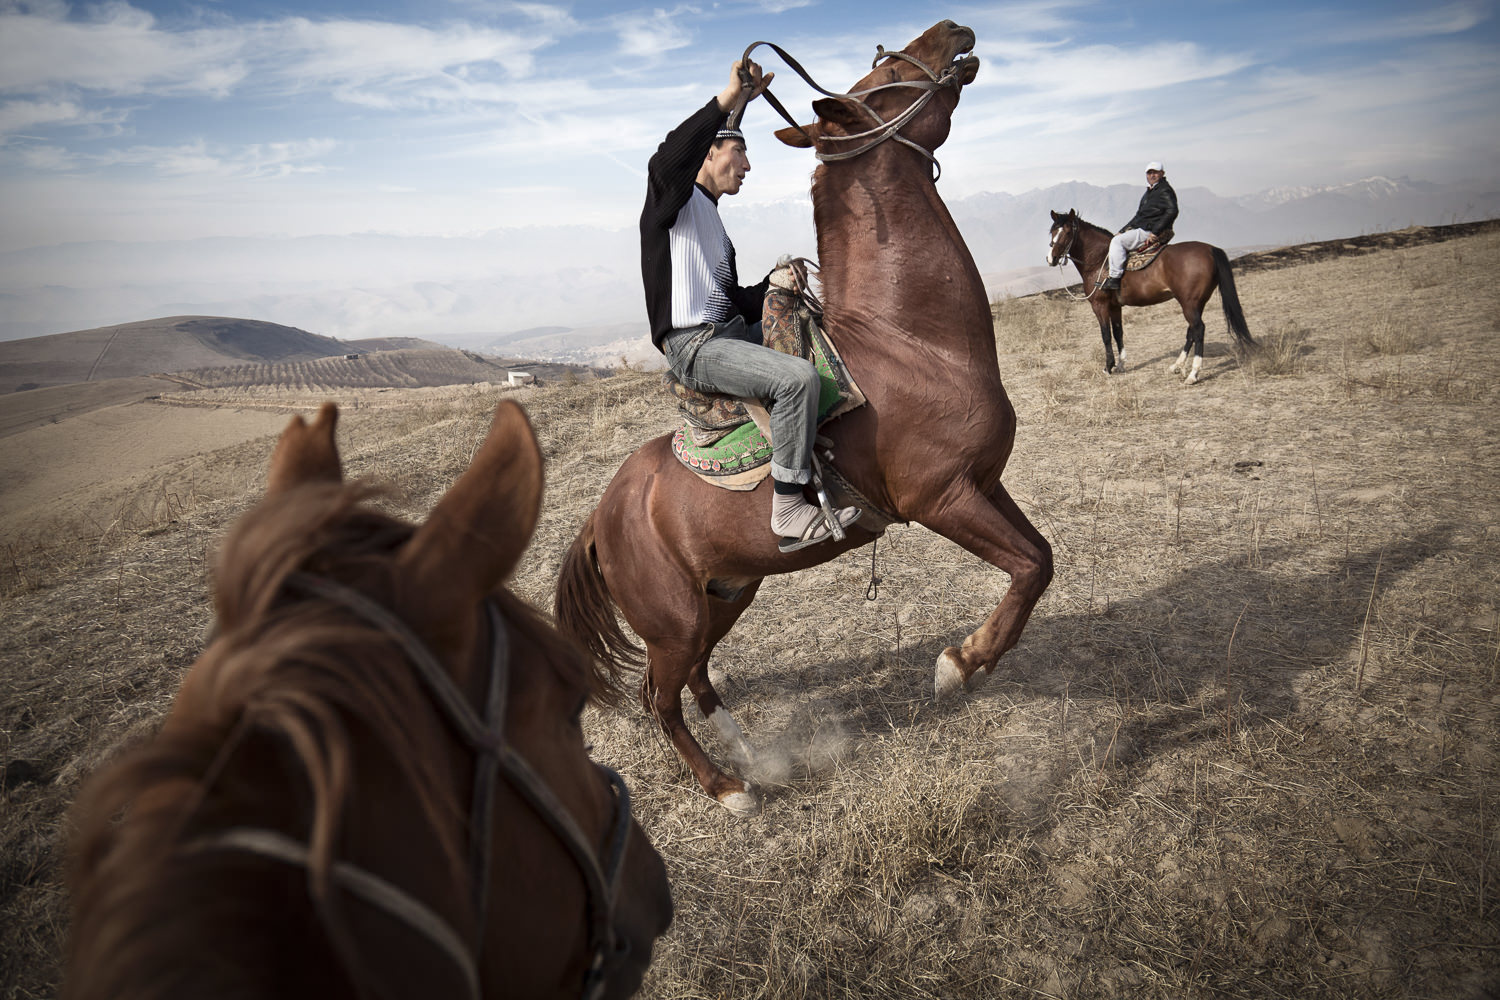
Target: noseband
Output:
[
  {"x": 495, "y": 758},
  {"x": 883, "y": 129}
]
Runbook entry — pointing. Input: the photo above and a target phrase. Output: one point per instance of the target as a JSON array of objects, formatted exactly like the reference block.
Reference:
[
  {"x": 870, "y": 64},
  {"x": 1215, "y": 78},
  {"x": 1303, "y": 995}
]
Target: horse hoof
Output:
[
  {"x": 1192, "y": 379},
  {"x": 742, "y": 804},
  {"x": 948, "y": 679}
]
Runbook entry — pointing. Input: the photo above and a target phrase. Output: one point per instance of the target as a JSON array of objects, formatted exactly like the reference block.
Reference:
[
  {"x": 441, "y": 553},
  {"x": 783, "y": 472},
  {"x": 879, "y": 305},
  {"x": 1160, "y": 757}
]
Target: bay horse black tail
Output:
[{"x": 1233, "y": 314}]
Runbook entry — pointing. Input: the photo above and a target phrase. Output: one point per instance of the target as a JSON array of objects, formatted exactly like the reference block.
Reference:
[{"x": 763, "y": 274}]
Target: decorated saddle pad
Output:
[
  {"x": 720, "y": 438},
  {"x": 1139, "y": 258}
]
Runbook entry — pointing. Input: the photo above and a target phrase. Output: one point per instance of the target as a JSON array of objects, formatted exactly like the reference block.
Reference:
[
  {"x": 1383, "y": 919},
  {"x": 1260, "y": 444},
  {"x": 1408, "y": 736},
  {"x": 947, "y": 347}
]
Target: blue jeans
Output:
[{"x": 730, "y": 358}]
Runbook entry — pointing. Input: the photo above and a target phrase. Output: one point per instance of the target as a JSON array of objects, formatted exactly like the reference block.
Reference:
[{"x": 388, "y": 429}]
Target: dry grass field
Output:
[{"x": 1246, "y": 747}]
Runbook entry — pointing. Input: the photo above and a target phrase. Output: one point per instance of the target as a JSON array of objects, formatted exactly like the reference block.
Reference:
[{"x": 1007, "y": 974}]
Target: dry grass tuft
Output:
[
  {"x": 1246, "y": 747},
  {"x": 1280, "y": 350}
]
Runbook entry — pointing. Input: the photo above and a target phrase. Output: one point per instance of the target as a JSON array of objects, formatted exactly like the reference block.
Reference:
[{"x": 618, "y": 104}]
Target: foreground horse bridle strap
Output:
[
  {"x": 883, "y": 129},
  {"x": 486, "y": 737},
  {"x": 368, "y": 886}
]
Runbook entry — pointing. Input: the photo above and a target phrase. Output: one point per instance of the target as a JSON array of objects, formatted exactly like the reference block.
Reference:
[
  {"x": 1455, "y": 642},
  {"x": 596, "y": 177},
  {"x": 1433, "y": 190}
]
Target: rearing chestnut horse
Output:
[
  {"x": 373, "y": 782},
  {"x": 1188, "y": 272},
  {"x": 905, "y": 304}
]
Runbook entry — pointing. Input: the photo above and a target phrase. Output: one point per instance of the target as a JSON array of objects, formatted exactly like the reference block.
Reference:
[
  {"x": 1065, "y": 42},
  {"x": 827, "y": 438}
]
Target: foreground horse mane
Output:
[{"x": 274, "y": 705}]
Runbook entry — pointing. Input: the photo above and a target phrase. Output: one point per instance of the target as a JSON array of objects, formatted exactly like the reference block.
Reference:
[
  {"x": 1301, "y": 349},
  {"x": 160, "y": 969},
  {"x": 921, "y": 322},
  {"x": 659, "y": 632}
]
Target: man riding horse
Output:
[
  {"x": 1153, "y": 218},
  {"x": 706, "y": 324}
]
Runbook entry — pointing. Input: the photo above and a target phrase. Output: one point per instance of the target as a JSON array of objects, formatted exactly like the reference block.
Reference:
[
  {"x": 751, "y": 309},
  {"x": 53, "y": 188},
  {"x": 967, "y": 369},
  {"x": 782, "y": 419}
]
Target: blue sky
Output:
[{"x": 145, "y": 120}]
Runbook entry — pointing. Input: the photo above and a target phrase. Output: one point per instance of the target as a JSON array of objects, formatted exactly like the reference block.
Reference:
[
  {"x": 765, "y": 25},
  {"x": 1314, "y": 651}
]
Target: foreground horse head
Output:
[
  {"x": 373, "y": 783},
  {"x": 1189, "y": 272},
  {"x": 908, "y": 310}
]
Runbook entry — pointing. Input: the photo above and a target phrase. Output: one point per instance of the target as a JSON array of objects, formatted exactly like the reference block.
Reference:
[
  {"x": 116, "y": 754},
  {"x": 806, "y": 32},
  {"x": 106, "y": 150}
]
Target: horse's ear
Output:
[
  {"x": 802, "y": 137},
  {"x": 1072, "y": 213},
  {"x": 477, "y": 532},
  {"x": 306, "y": 452},
  {"x": 1055, "y": 216},
  {"x": 841, "y": 111}
]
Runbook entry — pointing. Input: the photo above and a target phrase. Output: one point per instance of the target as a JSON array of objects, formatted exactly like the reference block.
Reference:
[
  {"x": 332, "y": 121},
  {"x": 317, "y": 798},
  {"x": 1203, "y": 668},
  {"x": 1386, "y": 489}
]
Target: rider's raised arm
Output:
[{"x": 674, "y": 166}]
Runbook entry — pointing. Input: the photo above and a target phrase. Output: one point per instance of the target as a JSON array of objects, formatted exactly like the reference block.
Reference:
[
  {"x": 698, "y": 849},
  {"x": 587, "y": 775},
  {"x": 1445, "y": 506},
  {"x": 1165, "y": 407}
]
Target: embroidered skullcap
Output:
[
  {"x": 1156, "y": 165},
  {"x": 730, "y": 133}
]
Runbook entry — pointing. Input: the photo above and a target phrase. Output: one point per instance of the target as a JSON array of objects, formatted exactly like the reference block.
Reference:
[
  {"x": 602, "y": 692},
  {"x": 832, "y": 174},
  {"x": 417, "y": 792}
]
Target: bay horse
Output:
[
  {"x": 373, "y": 782},
  {"x": 903, "y": 300},
  {"x": 1188, "y": 272}
]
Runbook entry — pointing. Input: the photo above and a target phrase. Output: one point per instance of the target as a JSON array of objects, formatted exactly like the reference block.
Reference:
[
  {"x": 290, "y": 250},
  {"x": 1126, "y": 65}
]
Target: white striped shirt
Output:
[{"x": 701, "y": 264}]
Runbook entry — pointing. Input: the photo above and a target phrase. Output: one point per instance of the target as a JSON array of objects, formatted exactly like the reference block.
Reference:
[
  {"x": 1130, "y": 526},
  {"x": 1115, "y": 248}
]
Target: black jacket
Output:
[
  {"x": 1157, "y": 211},
  {"x": 670, "y": 179}
]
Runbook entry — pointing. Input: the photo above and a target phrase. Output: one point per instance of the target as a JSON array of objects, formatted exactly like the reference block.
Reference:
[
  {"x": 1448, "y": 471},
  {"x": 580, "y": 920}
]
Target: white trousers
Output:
[{"x": 1120, "y": 247}]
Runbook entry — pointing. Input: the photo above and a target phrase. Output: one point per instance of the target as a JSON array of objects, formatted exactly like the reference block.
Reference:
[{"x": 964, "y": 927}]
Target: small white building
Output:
[{"x": 521, "y": 378}]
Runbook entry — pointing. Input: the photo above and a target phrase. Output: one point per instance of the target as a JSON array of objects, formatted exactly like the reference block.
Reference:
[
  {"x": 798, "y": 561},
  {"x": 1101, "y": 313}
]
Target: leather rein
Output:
[
  {"x": 883, "y": 129},
  {"x": 495, "y": 758}
]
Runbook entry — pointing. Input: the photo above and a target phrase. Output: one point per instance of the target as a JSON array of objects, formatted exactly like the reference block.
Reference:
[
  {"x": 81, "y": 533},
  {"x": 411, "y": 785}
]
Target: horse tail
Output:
[
  {"x": 585, "y": 610},
  {"x": 1233, "y": 314}
]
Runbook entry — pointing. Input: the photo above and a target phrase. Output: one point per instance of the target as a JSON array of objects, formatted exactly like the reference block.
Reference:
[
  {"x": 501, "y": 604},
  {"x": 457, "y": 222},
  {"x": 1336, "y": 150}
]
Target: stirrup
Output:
[{"x": 821, "y": 530}]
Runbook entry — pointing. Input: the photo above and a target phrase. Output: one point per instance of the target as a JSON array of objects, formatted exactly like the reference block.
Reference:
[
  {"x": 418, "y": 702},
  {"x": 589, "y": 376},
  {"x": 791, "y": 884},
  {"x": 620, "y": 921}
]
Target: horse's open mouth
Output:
[{"x": 967, "y": 65}]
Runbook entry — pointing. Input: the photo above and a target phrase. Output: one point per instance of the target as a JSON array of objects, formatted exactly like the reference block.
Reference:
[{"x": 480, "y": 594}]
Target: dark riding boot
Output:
[{"x": 1111, "y": 284}]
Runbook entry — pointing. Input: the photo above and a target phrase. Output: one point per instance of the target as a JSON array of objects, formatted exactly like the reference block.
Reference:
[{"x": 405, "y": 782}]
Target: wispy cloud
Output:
[
  {"x": 651, "y": 36},
  {"x": 202, "y": 158},
  {"x": 1414, "y": 23}
]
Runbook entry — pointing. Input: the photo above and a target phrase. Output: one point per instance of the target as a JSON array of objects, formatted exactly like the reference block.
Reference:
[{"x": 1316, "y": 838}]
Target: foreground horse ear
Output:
[
  {"x": 477, "y": 532},
  {"x": 306, "y": 452},
  {"x": 801, "y": 138},
  {"x": 843, "y": 112}
]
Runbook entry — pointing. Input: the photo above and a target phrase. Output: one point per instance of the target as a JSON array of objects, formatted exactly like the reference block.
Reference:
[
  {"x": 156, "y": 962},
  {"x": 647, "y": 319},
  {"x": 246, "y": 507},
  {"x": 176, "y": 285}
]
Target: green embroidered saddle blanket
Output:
[
  {"x": 1144, "y": 255},
  {"x": 725, "y": 440}
]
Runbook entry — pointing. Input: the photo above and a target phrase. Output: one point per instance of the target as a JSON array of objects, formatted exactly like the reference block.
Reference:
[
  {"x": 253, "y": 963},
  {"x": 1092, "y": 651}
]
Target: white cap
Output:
[{"x": 1156, "y": 165}]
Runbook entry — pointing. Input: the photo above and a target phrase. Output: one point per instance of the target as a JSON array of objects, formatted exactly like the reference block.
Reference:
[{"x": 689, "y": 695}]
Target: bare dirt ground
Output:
[{"x": 1246, "y": 747}]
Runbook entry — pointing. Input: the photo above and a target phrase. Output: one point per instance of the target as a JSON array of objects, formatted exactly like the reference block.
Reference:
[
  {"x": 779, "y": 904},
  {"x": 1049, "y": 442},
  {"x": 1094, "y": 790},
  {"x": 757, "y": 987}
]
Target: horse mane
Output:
[
  {"x": 1085, "y": 224},
  {"x": 266, "y": 724}
]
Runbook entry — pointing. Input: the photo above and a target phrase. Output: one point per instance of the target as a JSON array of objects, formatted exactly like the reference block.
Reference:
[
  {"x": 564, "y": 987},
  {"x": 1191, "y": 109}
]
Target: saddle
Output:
[
  {"x": 725, "y": 440},
  {"x": 1146, "y": 253}
]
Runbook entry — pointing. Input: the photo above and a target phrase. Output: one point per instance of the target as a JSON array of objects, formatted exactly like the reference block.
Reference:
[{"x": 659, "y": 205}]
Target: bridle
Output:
[
  {"x": 1066, "y": 258},
  {"x": 1062, "y": 259},
  {"x": 884, "y": 129},
  {"x": 495, "y": 758}
]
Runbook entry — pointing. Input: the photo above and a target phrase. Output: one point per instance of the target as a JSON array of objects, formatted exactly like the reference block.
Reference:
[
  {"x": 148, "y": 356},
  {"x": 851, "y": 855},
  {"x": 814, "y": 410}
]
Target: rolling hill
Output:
[{"x": 170, "y": 344}]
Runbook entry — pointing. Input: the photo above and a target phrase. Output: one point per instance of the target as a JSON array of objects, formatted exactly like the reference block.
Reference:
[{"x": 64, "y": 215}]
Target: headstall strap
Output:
[
  {"x": 883, "y": 129},
  {"x": 486, "y": 737}
]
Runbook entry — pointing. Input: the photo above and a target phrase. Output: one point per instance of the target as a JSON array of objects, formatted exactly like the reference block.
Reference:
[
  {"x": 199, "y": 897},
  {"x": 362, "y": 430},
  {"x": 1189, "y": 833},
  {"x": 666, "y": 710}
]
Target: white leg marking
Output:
[
  {"x": 1177, "y": 365},
  {"x": 1197, "y": 365},
  {"x": 743, "y": 804},
  {"x": 730, "y": 732},
  {"x": 1121, "y": 357},
  {"x": 948, "y": 679}
]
